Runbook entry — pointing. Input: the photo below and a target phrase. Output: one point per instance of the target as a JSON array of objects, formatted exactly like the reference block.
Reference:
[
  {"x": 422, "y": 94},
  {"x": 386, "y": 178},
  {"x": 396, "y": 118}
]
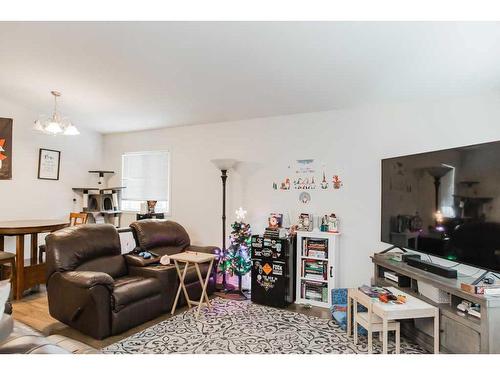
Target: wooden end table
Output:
[{"x": 196, "y": 259}]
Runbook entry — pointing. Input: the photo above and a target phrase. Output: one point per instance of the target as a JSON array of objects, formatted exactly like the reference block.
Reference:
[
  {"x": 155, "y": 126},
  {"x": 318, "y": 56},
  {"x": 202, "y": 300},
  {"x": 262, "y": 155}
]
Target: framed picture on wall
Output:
[
  {"x": 49, "y": 162},
  {"x": 5, "y": 148}
]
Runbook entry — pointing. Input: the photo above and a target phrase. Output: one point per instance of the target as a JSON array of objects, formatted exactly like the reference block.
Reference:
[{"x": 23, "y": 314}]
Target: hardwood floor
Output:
[{"x": 33, "y": 310}]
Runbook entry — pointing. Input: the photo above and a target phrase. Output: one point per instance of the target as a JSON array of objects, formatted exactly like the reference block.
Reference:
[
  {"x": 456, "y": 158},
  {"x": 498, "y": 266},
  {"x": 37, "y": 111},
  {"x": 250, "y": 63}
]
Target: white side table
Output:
[
  {"x": 412, "y": 309},
  {"x": 196, "y": 259}
]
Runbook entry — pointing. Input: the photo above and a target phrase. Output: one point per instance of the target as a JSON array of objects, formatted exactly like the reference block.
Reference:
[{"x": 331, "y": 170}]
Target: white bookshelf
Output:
[{"x": 310, "y": 290}]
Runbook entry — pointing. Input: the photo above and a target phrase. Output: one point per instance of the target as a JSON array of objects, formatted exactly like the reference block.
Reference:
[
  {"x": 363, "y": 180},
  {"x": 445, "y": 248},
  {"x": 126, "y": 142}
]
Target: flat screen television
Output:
[{"x": 445, "y": 203}]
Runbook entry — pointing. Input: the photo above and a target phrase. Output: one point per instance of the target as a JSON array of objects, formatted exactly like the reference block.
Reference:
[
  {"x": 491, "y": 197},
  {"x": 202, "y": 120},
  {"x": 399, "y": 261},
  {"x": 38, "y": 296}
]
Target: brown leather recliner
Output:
[
  {"x": 165, "y": 237},
  {"x": 89, "y": 285}
]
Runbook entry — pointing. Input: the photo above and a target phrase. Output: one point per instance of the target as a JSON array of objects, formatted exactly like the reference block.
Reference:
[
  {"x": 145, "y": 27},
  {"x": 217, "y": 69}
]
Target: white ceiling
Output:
[{"x": 125, "y": 76}]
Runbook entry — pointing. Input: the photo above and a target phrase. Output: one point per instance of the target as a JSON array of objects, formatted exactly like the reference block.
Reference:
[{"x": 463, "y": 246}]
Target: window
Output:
[{"x": 146, "y": 176}]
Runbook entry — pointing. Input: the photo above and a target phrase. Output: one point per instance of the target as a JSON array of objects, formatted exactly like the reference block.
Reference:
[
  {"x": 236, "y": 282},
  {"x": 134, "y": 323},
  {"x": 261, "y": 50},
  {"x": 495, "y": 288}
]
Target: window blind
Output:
[{"x": 145, "y": 176}]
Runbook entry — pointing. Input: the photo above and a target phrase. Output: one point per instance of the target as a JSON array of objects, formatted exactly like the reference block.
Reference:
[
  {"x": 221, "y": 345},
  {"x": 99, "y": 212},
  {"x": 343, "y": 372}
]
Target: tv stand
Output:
[
  {"x": 483, "y": 276},
  {"x": 392, "y": 248},
  {"x": 459, "y": 333}
]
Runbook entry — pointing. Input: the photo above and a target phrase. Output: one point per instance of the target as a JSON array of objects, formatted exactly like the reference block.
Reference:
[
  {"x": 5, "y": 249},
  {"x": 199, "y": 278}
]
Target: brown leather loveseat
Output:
[
  {"x": 166, "y": 237},
  {"x": 89, "y": 285}
]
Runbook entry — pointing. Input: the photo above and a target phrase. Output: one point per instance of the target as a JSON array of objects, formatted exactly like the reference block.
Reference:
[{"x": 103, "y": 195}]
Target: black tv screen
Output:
[{"x": 445, "y": 203}]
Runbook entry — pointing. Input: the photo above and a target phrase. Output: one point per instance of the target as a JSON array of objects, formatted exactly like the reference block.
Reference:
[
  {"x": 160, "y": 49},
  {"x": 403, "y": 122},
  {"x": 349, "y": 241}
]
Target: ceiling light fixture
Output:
[{"x": 55, "y": 124}]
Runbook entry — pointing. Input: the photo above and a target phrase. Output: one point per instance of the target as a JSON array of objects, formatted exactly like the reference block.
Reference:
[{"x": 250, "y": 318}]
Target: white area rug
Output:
[{"x": 242, "y": 327}]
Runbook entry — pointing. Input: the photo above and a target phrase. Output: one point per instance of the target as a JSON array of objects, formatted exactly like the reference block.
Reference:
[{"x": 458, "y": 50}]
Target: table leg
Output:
[
  {"x": 355, "y": 322},
  {"x": 436, "y": 332},
  {"x": 2, "y": 243},
  {"x": 13, "y": 280},
  {"x": 384, "y": 334},
  {"x": 203, "y": 284},
  {"x": 19, "y": 266},
  {"x": 181, "y": 286},
  {"x": 207, "y": 277},
  {"x": 370, "y": 339},
  {"x": 34, "y": 248},
  {"x": 398, "y": 338},
  {"x": 349, "y": 317}
]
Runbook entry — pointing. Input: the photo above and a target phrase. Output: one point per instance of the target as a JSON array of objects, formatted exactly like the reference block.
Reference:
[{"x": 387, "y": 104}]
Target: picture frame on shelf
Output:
[{"x": 49, "y": 164}]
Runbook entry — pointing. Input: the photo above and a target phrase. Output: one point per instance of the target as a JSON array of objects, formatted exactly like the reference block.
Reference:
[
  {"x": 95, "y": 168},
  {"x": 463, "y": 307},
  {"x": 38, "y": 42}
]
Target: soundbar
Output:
[{"x": 447, "y": 272}]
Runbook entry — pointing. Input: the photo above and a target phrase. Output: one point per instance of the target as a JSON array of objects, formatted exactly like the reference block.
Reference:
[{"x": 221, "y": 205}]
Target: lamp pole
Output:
[
  {"x": 223, "y": 165},
  {"x": 224, "y": 178}
]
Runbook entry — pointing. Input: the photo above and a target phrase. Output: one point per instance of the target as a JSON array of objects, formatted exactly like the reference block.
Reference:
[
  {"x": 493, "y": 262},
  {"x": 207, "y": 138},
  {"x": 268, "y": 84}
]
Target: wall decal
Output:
[
  {"x": 5, "y": 148},
  {"x": 303, "y": 175},
  {"x": 337, "y": 183},
  {"x": 304, "y": 197}
]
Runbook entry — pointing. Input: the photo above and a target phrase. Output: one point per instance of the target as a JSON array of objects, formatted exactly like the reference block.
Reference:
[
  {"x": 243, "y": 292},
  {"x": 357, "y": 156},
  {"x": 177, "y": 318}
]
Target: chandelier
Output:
[{"x": 55, "y": 124}]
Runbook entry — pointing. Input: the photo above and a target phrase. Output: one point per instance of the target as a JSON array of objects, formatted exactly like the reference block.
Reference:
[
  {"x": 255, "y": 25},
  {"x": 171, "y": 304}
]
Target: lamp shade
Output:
[{"x": 224, "y": 164}]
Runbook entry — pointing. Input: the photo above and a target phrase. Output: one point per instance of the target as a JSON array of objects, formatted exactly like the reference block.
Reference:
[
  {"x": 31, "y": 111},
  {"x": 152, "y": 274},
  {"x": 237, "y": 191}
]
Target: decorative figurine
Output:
[
  {"x": 305, "y": 222},
  {"x": 275, "y": 221},
  {"x": 333, "y": 223},
  {"x": 151, "y": 206},
  {"x": 324, "y": 224}
]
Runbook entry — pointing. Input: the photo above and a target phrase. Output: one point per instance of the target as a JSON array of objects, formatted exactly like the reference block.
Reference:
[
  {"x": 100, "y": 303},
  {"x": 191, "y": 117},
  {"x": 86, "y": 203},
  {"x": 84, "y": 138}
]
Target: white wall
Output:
[
  {"x": 349, "y": 142},
  {"x": 27, "y": 197}
]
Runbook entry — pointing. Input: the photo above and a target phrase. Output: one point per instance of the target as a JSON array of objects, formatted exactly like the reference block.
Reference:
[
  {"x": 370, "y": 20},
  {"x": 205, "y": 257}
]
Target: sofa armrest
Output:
[
  {"x": 82, "y": 300},
  {"x": 137, "y": 261},
  {"x": 204, "y": 249},
  {"x": 88, "y": 279}
]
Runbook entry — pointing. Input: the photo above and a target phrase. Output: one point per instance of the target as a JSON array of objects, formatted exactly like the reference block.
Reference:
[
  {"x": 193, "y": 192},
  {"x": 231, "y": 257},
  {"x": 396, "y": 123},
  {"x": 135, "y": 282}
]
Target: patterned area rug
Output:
[{"x": 242, "y": 327}]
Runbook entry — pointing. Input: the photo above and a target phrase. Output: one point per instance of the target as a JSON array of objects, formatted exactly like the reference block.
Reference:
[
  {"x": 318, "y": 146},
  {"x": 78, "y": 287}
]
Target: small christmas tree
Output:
[{"x": 236, "y": 260}]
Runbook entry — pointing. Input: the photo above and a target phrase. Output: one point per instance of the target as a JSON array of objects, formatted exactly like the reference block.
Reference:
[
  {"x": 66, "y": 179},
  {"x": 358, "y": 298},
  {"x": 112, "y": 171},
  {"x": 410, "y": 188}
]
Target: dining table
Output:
[{"x": 29, "y": 272}]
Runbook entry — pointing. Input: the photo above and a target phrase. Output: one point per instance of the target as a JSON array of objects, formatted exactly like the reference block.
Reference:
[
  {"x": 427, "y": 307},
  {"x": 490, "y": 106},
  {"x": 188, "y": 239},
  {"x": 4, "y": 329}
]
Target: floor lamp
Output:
[{"x": 224, "y": 165}]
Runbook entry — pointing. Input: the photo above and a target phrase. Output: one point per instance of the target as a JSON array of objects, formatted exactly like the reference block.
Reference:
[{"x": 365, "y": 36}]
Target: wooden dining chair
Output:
[
  {"x": 371, "y": 322},
  {"x": 75, "y": 218},
  {"x": 78, "y": 218}
]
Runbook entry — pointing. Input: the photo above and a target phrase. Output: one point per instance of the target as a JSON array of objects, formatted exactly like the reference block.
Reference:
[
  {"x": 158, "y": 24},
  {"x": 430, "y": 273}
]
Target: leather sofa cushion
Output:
[
  {"x": 130, "y": 289},
  {"x": 115, "y": 265},
  {"x": 69, "y": 248},
  {"x": 153, "y": 234}
]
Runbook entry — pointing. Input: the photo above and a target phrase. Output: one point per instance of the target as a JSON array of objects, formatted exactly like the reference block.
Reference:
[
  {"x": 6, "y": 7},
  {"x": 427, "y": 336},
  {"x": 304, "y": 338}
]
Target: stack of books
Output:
[
  {"x": 314, "y": 269},
  {"x": 315, "y": 247},
  {"x": 315, "y": 291}
]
